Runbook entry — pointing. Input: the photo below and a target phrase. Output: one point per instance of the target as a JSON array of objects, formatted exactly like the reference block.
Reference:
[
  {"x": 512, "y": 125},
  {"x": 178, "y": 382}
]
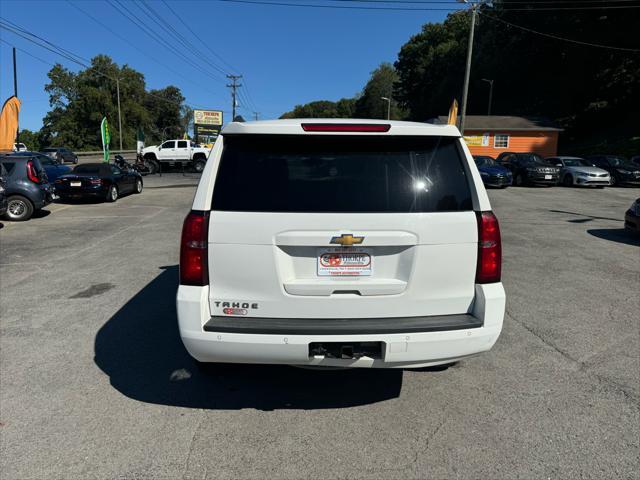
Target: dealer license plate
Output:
[
  {"x": 344, "y": 262},
  {"x": 76, "y": 184},
  {"x": 547, "y": 177}
]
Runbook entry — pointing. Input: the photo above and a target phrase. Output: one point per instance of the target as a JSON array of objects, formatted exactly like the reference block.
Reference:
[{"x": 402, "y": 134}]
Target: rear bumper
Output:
[{"x": 421, "y": 341}]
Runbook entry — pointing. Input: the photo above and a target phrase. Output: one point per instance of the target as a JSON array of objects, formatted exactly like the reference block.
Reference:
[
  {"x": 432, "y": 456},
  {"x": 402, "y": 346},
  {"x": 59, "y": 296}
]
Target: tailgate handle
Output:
[{"x": 345, "y": 292}]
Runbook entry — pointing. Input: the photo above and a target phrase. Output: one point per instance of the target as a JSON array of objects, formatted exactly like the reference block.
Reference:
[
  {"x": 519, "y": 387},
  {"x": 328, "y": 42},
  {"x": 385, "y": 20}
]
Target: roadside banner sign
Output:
[
  {"x": 139, "y": 140},
  {"x": 106, "y": 139},
  {"x": 207, "y": 125},
  {"x": 9, "y": 123},
  {"x": 477, "y": 140},
  {"x": 453, "y": 113}
]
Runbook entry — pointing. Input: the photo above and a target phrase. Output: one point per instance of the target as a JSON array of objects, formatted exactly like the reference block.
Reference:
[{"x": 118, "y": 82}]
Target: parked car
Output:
[
  {"x": 492, "y": 174},
  {"x": 19, "y": 147},
  {"x": 98, "y": 180},
  {"x": 632, "y": 217},
  {"x": 178, "y": 152},
  {"x": 53, "y": 168},
  {"x": 622, "y": 171},
  {"x": 27, "y": 187},
  {"x": 529, "y": 169},
  {"x": 636, "y": 160},
  {"x": 575, "y": 171},
  {"x": 340, "y": 243},
  {"x": 61, "y": 154},
  {"x": 3, "y": 192}
]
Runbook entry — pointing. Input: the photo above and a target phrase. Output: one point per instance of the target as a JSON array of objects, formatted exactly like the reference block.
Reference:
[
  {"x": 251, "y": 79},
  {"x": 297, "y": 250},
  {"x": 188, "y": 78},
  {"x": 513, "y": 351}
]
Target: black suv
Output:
[
  {"x": 529, "y": 169},
  {"x": 622, "y": 171},
  {"x": 27, "y": 187},
  {"x": 61, "y": 154}
]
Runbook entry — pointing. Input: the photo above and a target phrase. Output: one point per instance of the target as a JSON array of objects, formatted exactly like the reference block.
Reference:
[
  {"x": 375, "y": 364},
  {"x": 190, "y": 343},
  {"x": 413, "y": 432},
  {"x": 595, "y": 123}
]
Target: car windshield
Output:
[
  {"x": 620, "y": 162},
  {"x": 532, "y": 158},
  {"x": 485, "y": 162},
  {"x": 92, "y": 169},
  {"x": 575, "y": 162}
]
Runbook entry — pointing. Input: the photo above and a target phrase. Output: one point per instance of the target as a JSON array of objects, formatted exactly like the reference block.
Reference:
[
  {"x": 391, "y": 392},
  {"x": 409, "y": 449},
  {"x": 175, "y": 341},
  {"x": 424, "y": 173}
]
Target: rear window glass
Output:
[
  {"x": 92, "y": 169},
  {"x": 307, "y": 173},
  {"x": 8, "y": 166}
]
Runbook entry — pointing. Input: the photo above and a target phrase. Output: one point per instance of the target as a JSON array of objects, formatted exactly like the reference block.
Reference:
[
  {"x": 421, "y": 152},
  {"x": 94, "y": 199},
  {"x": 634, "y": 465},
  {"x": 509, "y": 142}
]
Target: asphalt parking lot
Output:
[{"x": 95, "y": 383}]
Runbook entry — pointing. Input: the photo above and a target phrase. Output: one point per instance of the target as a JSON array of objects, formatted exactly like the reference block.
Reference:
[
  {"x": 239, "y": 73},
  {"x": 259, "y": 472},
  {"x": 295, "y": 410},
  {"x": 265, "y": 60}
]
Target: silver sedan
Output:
[{"x": 575, "y": 171}]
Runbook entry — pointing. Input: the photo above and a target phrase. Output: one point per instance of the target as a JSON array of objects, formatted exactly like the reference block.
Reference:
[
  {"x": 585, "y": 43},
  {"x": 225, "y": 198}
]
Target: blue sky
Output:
[{"x": 288, "y": 55}]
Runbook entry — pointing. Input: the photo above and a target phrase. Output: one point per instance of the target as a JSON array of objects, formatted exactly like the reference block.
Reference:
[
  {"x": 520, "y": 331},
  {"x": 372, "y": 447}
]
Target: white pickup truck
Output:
[{"x": 175, "y": 152}]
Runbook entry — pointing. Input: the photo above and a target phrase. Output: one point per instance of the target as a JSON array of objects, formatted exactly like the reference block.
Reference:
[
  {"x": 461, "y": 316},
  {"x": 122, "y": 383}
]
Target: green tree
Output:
[
  {"x": 30, "y": 139},
  {"x": 381, "y": 84},
  {"x": 343, "y": 108},
  {"x": 80, "y": 100}
]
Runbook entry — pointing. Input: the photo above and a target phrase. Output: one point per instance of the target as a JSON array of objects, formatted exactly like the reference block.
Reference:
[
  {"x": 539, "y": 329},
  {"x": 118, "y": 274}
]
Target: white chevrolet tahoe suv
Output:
[{"x": 349, "y": 243}]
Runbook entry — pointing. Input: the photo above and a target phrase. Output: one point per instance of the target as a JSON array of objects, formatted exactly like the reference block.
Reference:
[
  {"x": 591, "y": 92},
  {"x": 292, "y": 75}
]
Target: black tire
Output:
[
  {"x": 567, "y": 181},
  {"x": 19, "y": 208},
  {"x": 138, "y": 187},
  {"x": 75, "y": 161},
  {"x": 614, "y": 181},
  {"x": 198, "y": 166},
  {"x": 600, "y": 187},
  {"x": 152, "y": 165},
  {"x": 112, "y": 194},
  {"x": 519, "y": 180}
]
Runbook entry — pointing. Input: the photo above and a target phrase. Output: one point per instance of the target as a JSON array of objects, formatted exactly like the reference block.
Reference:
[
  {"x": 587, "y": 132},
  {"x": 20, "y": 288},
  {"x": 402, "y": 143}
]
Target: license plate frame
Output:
[
  {"x": 344, "y": 262},
  {"x": 548, "y": 177},
  {"x": 75, "y": 184}
]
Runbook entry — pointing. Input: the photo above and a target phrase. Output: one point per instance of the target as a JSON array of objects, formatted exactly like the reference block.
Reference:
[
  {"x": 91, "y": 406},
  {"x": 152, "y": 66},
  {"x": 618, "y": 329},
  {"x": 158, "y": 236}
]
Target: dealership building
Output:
[{"x": 491, "y": 135}]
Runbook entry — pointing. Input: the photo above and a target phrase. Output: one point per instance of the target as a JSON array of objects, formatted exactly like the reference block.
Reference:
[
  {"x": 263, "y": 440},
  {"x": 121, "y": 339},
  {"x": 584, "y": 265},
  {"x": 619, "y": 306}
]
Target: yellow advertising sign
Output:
[
  {"x": 477, "y": 140},
  {"x": 207, "y": 117}
]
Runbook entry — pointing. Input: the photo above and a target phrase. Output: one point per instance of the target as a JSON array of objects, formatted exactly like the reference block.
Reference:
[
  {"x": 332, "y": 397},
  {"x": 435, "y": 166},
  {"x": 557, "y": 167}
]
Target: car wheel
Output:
[
  {"x": 19, "y": 208},
  {"x": 112, "y": 194},
  {"x": 152, "y": 166},
  {"x": 519, "y": 180},
  {"x": 614, "y": 181},
  {"x": 567, "y": 181},
  {"x": 198, "y": 166},
  {"x": 75, "y": 161},
  {"x": 138, "y": 186}
]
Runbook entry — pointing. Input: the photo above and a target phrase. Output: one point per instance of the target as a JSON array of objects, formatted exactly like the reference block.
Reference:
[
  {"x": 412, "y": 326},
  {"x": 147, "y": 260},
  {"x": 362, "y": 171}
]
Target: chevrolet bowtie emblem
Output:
[{"x": 347, "y": 240}]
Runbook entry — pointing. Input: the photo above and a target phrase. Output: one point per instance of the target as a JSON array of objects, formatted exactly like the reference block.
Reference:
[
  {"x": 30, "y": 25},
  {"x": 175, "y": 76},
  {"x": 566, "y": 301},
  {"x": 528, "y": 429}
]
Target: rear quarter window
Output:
[
  {"x": 8, "y": 167},
  {"x": 345, "y": 174}
]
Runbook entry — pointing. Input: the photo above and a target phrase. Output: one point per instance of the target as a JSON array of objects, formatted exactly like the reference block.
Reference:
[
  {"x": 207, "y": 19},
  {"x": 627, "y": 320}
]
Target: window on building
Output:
[{"x": 501, "y": 140}]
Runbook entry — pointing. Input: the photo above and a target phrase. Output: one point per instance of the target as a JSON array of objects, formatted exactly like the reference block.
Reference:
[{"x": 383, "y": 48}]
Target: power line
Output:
[
  {"x": 422, "y": 9},
  {"x": 128, "y": 42},
  {"x": 555, "y": 37}
]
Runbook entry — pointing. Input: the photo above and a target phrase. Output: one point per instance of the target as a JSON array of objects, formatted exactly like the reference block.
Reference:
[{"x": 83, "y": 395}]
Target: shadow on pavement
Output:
[
  {"x": 139, "y": 348},
  {"x": 619, "y": 235}
]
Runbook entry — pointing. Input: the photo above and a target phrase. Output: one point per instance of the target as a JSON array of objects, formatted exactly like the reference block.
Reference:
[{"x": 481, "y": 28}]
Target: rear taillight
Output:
[
  {"x": 489, "y": 248},
  {"x": 346, "y": 127},
  {"x": 32, "y": 174},
  {"x": 193, "y": 249},
  {"x": 95, "y": 181}
]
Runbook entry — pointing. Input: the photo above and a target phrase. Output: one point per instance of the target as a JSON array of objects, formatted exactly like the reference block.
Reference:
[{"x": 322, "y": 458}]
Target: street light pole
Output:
[
  {"x": 388, "y": 100},
  {"x": 490, "y": 82},
  {"x": 467, "y": 72},
  {"x": 119, "y": 115}
]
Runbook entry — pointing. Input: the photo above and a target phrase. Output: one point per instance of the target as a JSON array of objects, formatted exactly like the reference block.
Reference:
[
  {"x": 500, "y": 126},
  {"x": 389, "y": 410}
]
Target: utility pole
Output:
[
  {"x": 255, "y": 115},
  {"x": 15, "y": 88},
  {"x": 234, "y": 87},
  {"x": 119, "y": 116},
  {"x": 490, "y": 82},
  {"x": 465, "y": 92}
]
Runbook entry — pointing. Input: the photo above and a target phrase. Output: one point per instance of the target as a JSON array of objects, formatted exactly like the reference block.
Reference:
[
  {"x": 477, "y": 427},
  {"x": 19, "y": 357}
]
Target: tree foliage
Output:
[
  {"x": 580, "y": 86},
  {"x": 80, "y": 100}
]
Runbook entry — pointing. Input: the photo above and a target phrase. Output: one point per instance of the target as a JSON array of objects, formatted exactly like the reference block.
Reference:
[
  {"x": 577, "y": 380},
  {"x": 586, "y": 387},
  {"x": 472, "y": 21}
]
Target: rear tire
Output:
[
  {"x": 19, "y": 208},
  {"x": 519, "y": 181},
  {"x": 614, "y": 181},
  {"x": 153, "y": 166},
  {"x": 138, "y": 188},
  {"x": 112, "y": 194},
  {"x": 198, "y": 166}
]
